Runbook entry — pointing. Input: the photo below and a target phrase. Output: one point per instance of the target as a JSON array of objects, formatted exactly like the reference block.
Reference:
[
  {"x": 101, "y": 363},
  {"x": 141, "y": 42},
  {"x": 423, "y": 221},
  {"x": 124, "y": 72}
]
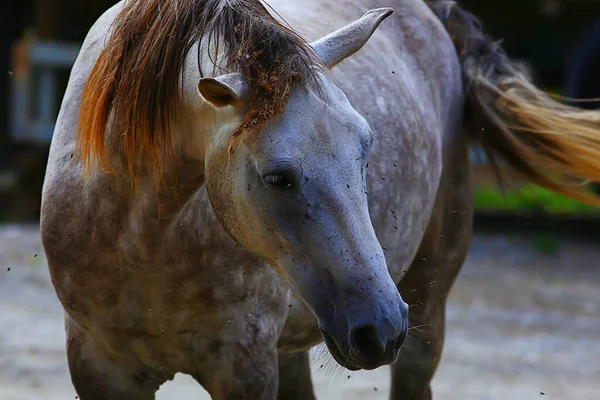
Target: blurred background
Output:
[
  {"x": 558, "y": 40},
  {"x": 524, "y": 316}
]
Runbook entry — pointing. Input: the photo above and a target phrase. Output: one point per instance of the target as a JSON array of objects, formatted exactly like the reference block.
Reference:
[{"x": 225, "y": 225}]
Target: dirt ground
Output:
[{"x": 521, "y": 326}]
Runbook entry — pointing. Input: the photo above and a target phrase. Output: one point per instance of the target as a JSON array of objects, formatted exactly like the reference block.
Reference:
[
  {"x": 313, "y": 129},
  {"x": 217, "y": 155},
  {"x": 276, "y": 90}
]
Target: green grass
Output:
[{"x": 533, "y": 199}]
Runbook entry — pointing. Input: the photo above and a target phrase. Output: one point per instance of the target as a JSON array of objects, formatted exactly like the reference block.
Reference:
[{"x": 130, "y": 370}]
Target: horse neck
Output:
[
  {"x": 159, "y": 197},
  {"x": 153, "y": 200}
]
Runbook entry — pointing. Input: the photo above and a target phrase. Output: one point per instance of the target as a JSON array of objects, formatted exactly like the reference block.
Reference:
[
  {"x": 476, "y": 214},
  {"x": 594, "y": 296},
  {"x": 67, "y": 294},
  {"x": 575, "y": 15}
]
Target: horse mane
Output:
[{"x": 134, "y": 83}]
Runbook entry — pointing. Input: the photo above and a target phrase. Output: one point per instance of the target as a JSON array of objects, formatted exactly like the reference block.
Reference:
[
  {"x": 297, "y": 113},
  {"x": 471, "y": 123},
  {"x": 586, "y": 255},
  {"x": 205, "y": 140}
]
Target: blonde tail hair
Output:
[{"x": 549, "y": 143}]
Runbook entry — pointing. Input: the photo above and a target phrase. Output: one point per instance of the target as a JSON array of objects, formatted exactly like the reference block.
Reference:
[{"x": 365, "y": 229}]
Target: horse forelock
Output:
[{"x": 134, "y": 82}]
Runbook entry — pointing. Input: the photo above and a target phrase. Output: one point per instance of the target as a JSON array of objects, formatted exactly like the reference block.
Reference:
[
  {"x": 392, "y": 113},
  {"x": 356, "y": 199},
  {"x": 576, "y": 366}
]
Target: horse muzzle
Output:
[{"x": 371, "y": 339}]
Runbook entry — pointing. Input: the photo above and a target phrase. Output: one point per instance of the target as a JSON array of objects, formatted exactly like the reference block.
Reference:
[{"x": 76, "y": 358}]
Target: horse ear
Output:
[
  {"x": 346, "y": 41},
  {"x": 224, "y": 90}
]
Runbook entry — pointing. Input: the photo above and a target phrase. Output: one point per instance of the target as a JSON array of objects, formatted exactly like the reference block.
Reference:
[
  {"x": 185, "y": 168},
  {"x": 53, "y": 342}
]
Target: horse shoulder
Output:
[{"x": 65, "y": 211}]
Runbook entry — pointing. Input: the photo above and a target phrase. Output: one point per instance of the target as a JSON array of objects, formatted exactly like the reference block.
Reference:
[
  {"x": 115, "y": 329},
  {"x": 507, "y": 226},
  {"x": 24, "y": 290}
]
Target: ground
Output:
[{"x": 521, "y": 325}]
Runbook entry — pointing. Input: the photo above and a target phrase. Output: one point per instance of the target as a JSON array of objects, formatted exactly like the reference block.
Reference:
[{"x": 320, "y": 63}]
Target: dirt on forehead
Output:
[{"x": 270, "y": 93}]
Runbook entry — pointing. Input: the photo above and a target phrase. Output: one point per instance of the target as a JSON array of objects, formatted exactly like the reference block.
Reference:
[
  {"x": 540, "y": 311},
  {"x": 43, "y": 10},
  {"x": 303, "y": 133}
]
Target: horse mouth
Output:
[{"x": 346, "y": 361}]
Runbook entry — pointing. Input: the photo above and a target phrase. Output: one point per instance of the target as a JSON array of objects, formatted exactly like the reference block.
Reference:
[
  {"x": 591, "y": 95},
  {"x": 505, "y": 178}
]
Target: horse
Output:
[{"x": 231, "y": 183}]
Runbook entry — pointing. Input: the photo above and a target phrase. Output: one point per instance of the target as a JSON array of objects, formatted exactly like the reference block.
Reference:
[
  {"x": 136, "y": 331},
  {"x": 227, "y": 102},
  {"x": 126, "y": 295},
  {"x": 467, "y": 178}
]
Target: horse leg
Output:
[
  {"x": 418, "y": 360},
  {"x": 97, "y": 376},
  {"x": 295, "y": 382},
  {"x": 425, "y": 288},
  {"x": 241, "y": 380},
  {"x": 426, "y": 285},
  {"x": 240, "y": 371}
]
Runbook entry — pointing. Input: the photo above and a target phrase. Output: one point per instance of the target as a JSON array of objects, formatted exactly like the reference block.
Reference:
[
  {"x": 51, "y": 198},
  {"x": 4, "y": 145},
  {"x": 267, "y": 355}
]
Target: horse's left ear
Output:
[
  {"x": 224, "y": 90},
  {"x": 346, "y": 41}
]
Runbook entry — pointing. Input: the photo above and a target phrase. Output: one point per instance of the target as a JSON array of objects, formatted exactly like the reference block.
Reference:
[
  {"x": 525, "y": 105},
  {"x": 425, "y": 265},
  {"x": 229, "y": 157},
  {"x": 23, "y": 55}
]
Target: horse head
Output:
[{"x": 295, "y": 193}]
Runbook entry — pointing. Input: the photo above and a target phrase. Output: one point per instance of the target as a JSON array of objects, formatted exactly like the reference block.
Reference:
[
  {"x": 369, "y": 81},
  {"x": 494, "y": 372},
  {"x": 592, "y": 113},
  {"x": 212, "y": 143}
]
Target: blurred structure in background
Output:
[{"x": 39, "y": 39}]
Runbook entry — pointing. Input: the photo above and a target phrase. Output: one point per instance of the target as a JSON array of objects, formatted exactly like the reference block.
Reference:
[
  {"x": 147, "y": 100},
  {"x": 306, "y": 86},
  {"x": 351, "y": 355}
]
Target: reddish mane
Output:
[{"x": 135, "y": 80}]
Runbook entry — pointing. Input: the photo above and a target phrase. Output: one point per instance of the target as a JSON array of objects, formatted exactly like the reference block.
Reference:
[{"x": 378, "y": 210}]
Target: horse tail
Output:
[{"x": 546, "y": 141}]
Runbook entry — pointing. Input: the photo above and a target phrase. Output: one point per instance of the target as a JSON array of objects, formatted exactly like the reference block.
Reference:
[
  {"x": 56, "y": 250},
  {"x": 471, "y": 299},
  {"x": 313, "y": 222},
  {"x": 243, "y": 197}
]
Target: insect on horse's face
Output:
[{"x": 295, "y": 194}]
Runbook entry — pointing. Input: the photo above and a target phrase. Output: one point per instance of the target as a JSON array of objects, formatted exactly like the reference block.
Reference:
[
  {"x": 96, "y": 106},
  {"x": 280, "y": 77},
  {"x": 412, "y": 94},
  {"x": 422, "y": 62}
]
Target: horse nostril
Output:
[{"x": 366, "y": 342}]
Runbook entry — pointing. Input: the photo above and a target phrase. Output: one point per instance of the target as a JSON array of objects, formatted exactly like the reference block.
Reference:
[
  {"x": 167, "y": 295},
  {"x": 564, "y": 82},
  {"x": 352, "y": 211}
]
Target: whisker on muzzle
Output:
[
  {"x": 411, "y": 343},
  {"x": 417, "y": 328},
  {"x": 325, "y": 364}
]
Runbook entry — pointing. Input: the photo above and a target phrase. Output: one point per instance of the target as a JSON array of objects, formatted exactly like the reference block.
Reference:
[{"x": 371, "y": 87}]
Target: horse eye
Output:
[{"x": 280, "y": 180}]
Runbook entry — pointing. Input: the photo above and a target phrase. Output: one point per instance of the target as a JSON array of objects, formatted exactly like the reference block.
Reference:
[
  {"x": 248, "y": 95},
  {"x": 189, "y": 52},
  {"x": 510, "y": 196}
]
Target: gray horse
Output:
[{"x": 219, "y": 198}]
